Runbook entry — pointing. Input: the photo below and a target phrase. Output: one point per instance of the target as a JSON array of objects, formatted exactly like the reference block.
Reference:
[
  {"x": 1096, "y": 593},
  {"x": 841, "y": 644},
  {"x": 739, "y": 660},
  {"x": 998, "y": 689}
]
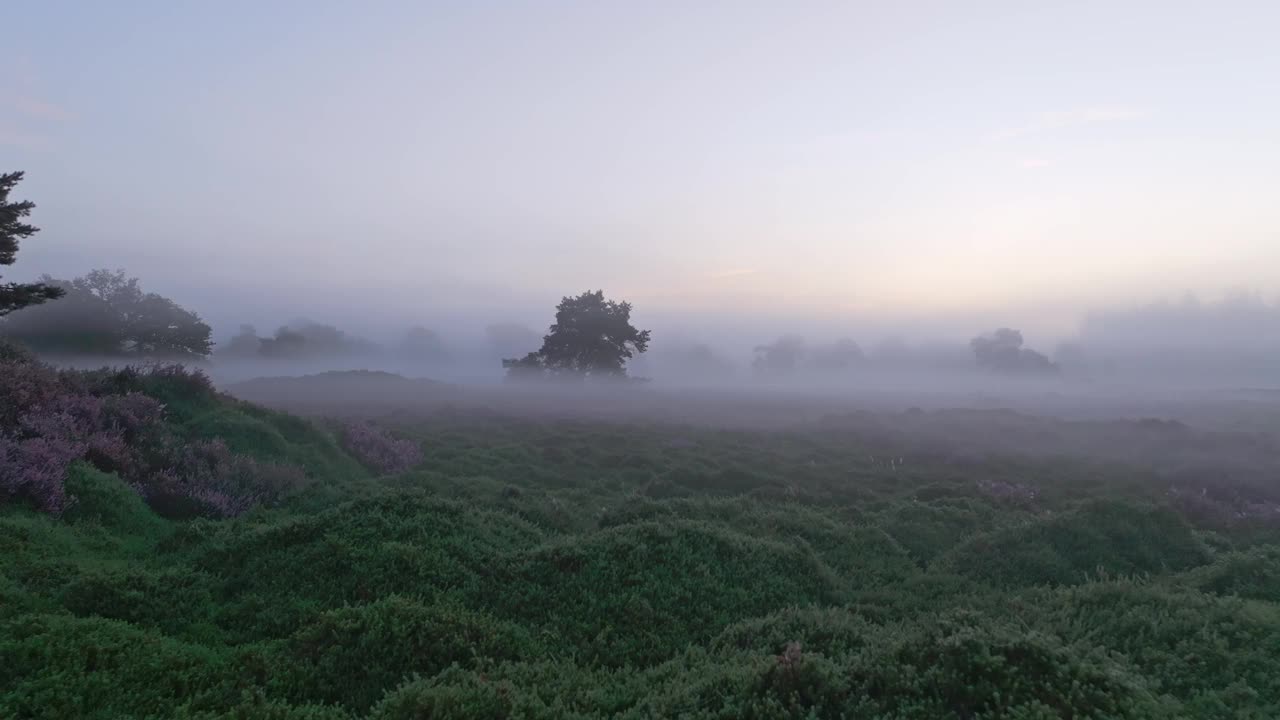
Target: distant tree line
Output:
[
  {"x": 107, "y": 313},
  {"x": 296, "y": 341}
]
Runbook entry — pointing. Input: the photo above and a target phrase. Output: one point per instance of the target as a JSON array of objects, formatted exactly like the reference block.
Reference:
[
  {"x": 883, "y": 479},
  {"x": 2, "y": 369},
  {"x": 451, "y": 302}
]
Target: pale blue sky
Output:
[{"x": 854, "y": 161}]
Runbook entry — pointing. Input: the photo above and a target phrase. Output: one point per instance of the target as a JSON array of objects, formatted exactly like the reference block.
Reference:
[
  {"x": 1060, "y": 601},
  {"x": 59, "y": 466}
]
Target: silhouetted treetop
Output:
[
  {"x": 106, "y": 313},
  {"x": 591, "y": 337},
  {"x": 14, "y": 296},
  {"x": 780, "y": 357},
  {"x": 1003, "y": 351},
  {"x": 423, "y": 345},
  {"x": 842, "y": 354}
]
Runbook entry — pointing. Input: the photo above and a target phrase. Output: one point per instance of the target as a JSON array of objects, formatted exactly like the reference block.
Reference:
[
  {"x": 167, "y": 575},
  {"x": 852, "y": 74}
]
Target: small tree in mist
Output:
[
  {"x": 591, "y": 337},
  {"x": 244, "y": 344},
  {"x": 305, "y": 339},
  {"x": 781, "y": 357},
  {"x": 424, "y": 346},
  {"x": 15, "y": 296},
  {"x": 1003, "y": 351},
  {"x": 840, "y": 355}
]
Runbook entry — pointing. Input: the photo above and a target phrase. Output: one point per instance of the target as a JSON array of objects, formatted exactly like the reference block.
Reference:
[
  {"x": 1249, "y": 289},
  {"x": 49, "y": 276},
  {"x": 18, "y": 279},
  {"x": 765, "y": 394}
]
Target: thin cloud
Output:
[
  {"x": 19, "y": 139},
  {"x": 726, "y": 274},
  {"x": 41, "y": 109},
  {"x": 1033, "y": 163},
  {"x": 1063, "y": 119}
]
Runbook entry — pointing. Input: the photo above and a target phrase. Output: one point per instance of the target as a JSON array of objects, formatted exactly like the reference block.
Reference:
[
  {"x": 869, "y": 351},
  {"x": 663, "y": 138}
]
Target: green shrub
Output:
[
  {"x": 1100, "y": 537},
  {"x": 929, "y": 529},
  {"x": 174, "y": 601},
  {"x": 457, "y": 695},
  {"x": 1199, "y": 648},
  {"x": 637, "y": 593},
  {"x": 1251, "y": 574},
  {"x": 353, "y": 655},
  {"x": 64, "y": 667},
  {"x": 104, "y": 500}
]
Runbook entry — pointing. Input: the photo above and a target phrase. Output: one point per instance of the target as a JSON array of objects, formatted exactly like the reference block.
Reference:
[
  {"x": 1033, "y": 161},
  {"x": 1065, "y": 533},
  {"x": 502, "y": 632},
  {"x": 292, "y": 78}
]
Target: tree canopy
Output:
[
  {"x": 1003, "y": 351},
  {"x": 591, "y": 337},
  {"x": 15, "y": 296},
  {"x": 107, "y": 313},
  {"x": 300, "y": 340},
  {"x": 780, "y": 357},
  {"x": 424, "y": 346}
]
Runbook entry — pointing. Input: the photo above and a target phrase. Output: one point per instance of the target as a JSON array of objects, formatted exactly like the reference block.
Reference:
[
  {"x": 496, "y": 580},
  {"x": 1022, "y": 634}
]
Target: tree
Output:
[
  {"x": 243, "y": 344},
  {"x": 160, "y": 327},
  {"x": 307, "y": 339},
  {"x": 591, "y": 337},
  {"x": 1003, "y": 351},
  {"x": 15, "y": 296},
  {"x": 843, "y": 354},
  {"x": 424, "y": 346},
  {"x": 286, "y": 343},
  {"x": 107, "y": 313},
  {"x": 780, "y": 357}
]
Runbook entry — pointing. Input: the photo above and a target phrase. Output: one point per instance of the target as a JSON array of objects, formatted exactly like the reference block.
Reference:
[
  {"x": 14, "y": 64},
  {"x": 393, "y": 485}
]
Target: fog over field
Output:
[
  {"x": 597, "y": 360},
  {"x": 901, "y": 178}
]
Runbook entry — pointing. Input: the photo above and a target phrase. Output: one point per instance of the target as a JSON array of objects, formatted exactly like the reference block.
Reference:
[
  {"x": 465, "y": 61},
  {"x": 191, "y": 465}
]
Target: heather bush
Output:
[
  {"x": 207, "y": 479},
  {"x": 113, "y": 420},
  {"x": 378, "y": 450},
  {"x": 24, "y": 385},
  {"x": 35, "y": 469},
  {"x": 184, "y": 391},
  {"x": 13, "y": 352}
]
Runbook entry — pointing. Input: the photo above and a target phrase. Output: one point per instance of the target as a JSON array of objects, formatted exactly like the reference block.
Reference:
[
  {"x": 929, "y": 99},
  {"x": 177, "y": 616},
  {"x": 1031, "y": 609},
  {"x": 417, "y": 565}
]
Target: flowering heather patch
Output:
[
  {"x": 211, "y": 480},
  {"x": 36, "y": 468},
  {"x": 24, "y": 385},
  {"x": 50, "y": 419},
  {"x": 378, "y": 450}
]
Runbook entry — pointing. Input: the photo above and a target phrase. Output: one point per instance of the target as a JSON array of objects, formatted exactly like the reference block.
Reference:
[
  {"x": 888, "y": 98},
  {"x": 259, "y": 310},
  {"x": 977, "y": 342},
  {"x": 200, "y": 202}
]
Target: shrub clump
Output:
[
  {"x": 207, "y": 479},
  {"x": 379, "y": 451},
  {"x": 49, "y": 419}
]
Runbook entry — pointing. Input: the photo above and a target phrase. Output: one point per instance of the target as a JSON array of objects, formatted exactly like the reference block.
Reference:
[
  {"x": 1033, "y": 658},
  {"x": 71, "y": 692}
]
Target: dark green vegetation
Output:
[
  {"x": 552, "y": 569},
  {"x": 15, "y": 296},
  {"x": 591, "y": 338},
  {"x": 106, "y": 313}
]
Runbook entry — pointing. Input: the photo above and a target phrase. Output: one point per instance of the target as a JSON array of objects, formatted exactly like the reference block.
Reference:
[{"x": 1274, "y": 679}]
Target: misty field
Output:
[{"x": 547, "y": 566}]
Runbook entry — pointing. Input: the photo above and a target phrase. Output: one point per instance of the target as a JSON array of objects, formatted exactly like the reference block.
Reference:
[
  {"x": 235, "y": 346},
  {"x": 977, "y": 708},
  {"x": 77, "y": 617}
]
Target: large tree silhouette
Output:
[
  {"x": 14, "y": 296},
  {"x": 107, "y": 313},
  {"x": 591, "y": 337}
]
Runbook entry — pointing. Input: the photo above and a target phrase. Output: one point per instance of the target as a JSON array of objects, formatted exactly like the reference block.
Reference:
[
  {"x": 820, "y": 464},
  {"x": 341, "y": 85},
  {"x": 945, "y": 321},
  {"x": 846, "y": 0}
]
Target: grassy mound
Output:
[{"x": 1102, "y": 537}]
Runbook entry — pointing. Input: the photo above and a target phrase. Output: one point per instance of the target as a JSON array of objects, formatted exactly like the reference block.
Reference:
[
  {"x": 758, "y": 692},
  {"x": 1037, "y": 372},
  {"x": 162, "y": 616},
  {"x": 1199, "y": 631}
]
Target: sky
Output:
[{"x": 845, "y": 163}]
